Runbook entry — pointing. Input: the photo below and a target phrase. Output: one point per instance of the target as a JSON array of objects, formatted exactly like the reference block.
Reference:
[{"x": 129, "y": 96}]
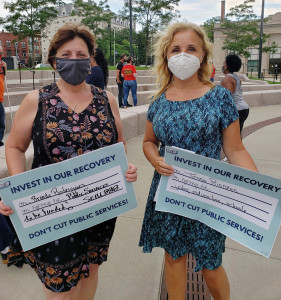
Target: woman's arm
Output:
[
  {"x": 229, "y": 83},
  {"x": 19, "y": 139},
  {"x": 131, "y": 173},
  {"x": 150, "y": 149},
  {"x": 234, "y": 148}
]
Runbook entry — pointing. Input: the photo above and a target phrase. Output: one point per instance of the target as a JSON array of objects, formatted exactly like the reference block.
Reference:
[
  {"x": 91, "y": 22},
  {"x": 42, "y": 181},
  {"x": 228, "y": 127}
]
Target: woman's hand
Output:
[
  {"x": 131, "y": 174},
  {"x": 5, "y": 210},
  {"x": 161, "y": 167}
]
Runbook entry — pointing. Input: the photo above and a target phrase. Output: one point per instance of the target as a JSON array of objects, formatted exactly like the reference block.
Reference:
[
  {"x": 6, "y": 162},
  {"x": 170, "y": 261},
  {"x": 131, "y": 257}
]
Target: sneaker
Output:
[
  {"x": 1, "y": 144},
  {"x": 121, "y": 106},
  {"x": 129, "y": 105}
]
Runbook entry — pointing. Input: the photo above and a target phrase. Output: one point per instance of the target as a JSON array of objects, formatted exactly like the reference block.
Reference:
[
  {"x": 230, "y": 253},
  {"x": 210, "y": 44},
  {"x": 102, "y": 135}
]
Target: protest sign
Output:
[
  {"x": 60, "y": 199},
  {"x": 239, "y": 203}
]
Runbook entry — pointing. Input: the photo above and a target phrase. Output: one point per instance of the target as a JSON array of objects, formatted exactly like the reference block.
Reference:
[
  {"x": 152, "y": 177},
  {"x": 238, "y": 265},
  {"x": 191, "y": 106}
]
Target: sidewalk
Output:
[{"x": 131, "y": 275}]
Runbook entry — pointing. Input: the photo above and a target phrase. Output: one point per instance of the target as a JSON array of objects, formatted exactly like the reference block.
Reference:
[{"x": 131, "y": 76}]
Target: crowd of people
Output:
[{"x": 188, "y": 111}]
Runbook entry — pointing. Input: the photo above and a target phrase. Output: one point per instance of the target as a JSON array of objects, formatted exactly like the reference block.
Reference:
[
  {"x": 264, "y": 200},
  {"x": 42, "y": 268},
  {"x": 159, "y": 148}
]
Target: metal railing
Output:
[{"x": 23, "y": 66}]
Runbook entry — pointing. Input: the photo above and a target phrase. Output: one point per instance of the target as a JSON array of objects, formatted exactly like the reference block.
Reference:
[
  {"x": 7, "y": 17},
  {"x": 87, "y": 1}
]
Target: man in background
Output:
[
  {"x": 3, "y": 69},
  {"x": 120, "y": 79}
]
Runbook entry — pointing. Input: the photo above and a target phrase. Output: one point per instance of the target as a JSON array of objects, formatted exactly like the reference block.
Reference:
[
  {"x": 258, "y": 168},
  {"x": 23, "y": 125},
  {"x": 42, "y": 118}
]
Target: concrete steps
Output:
[
  {"x": 255, "y": 93},
  {"x": 133, "y": 121}
]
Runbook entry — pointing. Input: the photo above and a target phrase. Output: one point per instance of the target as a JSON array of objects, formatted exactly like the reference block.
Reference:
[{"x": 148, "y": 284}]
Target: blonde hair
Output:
[
  {"x": 67, "y": 33},
  {"x": 164, "y": 75}
]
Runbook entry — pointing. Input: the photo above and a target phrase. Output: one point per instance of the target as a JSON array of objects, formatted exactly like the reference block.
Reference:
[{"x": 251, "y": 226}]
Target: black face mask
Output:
[{"x": 73, "y": 71}]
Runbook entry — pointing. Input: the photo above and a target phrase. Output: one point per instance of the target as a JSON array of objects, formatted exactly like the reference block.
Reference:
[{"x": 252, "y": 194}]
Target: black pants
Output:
[
  {"x": 120, "y": 94},
  {"x": 243, "y": 115}
]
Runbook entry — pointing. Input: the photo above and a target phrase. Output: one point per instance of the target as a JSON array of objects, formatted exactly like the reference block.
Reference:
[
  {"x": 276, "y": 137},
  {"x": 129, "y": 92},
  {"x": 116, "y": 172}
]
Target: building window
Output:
[
  {"x": 1, "y": 43},
  {"x": 276, "y": 54},
  {"x": 23, "y": 54},
  {"x": 8, "y": 43},
  {"x": 23, "y": 44},
  {"x": 253, "y": 60},
  {"x": 9, "y": 53}
]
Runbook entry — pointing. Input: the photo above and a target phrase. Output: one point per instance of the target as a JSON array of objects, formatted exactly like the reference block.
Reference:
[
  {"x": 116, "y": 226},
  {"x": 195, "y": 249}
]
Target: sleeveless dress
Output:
[
  {"x": 58, "y": 134},
  {"x": 195, "y": 125}
]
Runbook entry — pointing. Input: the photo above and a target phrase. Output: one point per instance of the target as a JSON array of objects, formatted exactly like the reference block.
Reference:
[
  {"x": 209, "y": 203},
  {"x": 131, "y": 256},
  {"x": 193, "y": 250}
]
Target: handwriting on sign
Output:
[
  {"x": 71, "y": 197},
  {"x": 235, "y": 199}
]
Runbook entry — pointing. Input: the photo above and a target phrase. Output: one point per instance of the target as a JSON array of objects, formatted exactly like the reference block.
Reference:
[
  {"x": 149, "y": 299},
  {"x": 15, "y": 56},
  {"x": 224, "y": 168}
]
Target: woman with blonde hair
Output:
[
  {"x": 54, "y": 119},
  {"x": 192, "y": 113}
]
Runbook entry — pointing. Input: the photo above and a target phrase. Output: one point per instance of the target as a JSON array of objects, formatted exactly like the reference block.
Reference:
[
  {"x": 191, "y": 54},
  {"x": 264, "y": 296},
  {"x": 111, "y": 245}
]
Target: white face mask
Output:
[{"x": 183, "y": 65}]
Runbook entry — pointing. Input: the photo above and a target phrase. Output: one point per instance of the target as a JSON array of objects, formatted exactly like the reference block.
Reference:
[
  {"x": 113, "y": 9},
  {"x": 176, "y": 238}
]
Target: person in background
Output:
[
  {"x": 129, "y": 73},
  {"x": 99, "y": 70},
  {"x": 120, "y": 79},
  {"x": 213, "y": 73},
  {"x": 3, "y": 71},
  {"x": 6, "y": 236},
  {"x": 188, "y": 112},
  {"x": 54, "y": 119},
  {"x": 232, "y": 82}
]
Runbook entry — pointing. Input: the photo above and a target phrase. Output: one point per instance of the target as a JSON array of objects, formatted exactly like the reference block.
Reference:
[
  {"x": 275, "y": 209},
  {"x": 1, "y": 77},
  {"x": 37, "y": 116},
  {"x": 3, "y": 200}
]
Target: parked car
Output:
[{"x": 42, "y": 66}]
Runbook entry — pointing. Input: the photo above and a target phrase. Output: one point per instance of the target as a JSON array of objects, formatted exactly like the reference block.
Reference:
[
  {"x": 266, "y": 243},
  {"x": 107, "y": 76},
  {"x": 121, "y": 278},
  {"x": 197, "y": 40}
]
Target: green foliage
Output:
[
  {"x": 93, "y": 14},
  {"x": 242, "y": 30},
  {"x": 27, "y": 18},
  {"x": 122, "y": 45},
  {"x": 209, "y": 27},
  {"x": 152, "y": 15}
]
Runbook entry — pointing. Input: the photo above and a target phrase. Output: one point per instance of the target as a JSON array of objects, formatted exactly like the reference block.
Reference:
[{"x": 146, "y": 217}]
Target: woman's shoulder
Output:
[
  {"x": 31, "y": 100},
  {"x": 32, "y": 96},
  {"x": 220, "y": 90}
]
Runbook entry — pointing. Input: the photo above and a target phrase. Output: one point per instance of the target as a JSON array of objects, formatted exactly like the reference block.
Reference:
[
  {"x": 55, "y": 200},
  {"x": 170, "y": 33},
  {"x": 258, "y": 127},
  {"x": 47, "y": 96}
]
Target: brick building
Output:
[
  {"x": 13, "y": 47},
  {"x": 21, "y": 49}
]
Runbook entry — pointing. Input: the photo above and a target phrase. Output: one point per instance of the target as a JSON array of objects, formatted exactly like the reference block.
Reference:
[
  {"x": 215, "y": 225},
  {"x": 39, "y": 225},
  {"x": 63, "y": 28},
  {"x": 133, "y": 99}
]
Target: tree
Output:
[
  {"x": 27, "y": 18},
  {"x": 209, "y": 27},
  {"x": 152, "y": 15},
  {"x": 93, "y": 15},
  {"x": 122, "y": 44},
  {"x": 243, "y": 31}
]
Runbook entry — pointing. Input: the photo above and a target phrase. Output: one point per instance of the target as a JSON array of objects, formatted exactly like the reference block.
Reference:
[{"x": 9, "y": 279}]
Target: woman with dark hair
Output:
[
  {"x": 99, "y": 70},
  {"x": 54, "y": 119},
  {"x": 232, "y": 82}
]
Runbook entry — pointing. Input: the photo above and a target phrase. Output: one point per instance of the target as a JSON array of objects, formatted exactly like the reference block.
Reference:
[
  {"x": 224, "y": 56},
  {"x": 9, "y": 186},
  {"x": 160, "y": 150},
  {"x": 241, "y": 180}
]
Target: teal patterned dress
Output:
[{"x": 195, "y": 125}]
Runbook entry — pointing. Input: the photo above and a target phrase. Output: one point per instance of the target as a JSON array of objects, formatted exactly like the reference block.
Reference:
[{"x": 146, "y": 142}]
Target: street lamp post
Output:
[
  {"x": 261, "y": 41},
  {"x": 114, "y": 45},
  {"x": 109, "y": 27},
  {"x": 131, "y": 28}
]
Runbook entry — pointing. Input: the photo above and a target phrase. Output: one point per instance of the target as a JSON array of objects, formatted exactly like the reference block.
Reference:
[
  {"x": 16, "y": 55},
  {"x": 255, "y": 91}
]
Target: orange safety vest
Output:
[{"x": 1, "y": 87}]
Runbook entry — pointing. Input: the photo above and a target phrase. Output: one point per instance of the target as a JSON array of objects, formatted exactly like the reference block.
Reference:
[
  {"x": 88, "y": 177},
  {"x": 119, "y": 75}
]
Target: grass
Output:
[
  {"x": 137, "y": 68},
  {"x": 109, "y": 67},
  {"x": 269, "y": 81}
]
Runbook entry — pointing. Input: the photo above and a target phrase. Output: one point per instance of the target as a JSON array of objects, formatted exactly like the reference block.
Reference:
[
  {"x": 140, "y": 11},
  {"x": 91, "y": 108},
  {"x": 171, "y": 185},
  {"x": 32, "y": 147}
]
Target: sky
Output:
[{"x": 197, "y": 11}]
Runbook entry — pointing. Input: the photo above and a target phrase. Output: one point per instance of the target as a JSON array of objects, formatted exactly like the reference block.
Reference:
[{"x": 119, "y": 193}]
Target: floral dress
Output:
[
  {"x": 58, "y": 134},
  {"x": 195, "y": 125}
]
